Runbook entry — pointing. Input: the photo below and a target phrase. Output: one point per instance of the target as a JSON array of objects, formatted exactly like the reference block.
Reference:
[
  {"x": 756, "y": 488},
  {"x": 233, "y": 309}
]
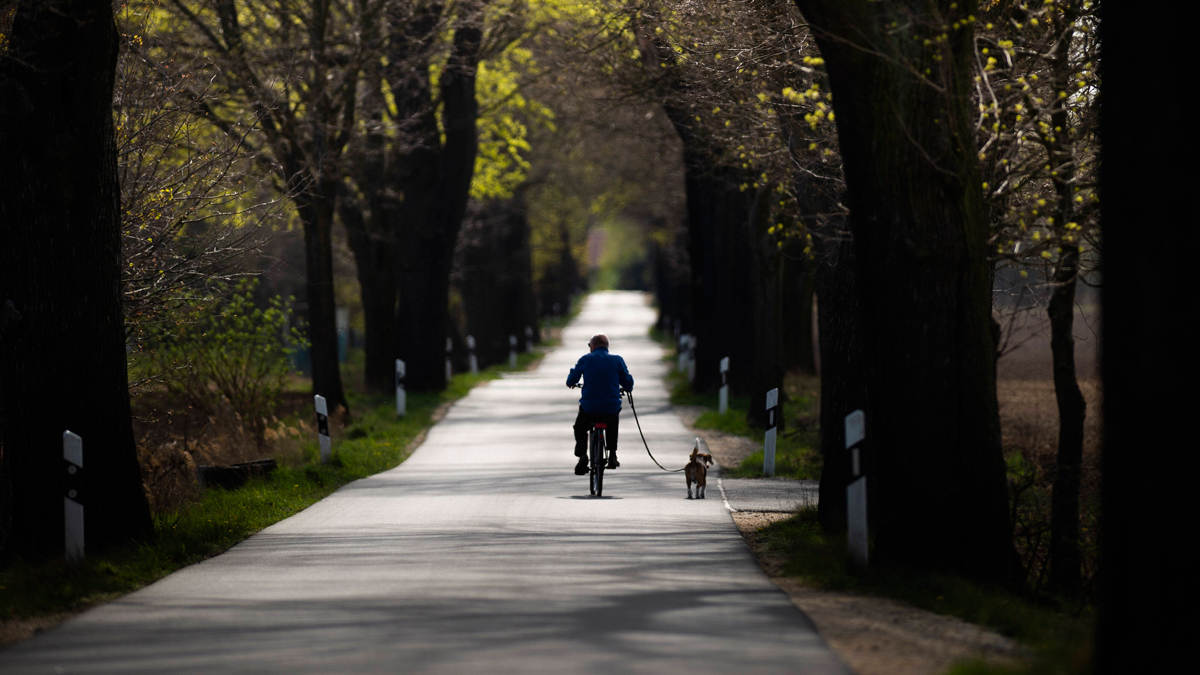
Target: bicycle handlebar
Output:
[{"x": 624, "y": 391}]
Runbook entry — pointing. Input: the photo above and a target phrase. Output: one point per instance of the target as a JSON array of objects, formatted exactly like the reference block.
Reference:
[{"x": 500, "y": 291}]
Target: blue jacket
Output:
[{"x": 603, "y": 374}]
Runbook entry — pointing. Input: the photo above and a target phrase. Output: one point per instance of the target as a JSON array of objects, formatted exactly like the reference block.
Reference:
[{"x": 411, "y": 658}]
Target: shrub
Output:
[{"x": 229, "y": 356}]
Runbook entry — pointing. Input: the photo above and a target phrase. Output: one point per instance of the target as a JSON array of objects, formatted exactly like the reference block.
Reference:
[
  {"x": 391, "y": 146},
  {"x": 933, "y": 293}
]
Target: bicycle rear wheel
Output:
[
  {"x": 598, "y": 481},
  {"x": 598, "y": 462},
  {"x": 591, "y": 462}
]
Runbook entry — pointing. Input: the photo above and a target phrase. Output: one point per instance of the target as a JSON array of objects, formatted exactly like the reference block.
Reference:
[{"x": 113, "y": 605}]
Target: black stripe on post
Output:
[
  {"x": 73, "y": 486},
  {"x": 855, "y": 436},
  {"x": 769, "y": 438}
]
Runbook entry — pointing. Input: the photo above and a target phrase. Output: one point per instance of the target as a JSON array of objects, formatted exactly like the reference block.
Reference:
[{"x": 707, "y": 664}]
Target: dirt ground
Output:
[
  {"x": 874, "y": 636},
  {"x": 877, "y": 636},
  {"x": 727, "y": 449},
  {"x": 15, "y": 630},
  {"x": 881, "y": 636},
  {"x": 1025, "y": 384},
  {"x": 1025, "y": 344},
  {"x": 1029, "y": 415},
  {"x": 1029, "y": 429}
]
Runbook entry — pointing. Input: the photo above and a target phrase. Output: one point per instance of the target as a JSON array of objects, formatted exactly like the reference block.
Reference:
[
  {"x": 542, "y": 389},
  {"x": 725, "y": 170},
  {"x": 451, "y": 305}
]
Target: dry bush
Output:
[
  {"x": 1029, "y": 426},
  {"x": 285, "y": 443},
  {"x": 173, "y": 440},
  {"x": 168, "y": 475}
]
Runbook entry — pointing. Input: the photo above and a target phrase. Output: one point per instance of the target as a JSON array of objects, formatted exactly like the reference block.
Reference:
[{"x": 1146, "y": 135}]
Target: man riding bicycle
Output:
[{"x": 604, "y": 376}]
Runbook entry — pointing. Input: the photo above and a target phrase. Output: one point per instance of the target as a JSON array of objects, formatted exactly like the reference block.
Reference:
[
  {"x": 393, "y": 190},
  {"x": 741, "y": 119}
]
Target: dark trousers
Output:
[{"x": 583, "y": 424}]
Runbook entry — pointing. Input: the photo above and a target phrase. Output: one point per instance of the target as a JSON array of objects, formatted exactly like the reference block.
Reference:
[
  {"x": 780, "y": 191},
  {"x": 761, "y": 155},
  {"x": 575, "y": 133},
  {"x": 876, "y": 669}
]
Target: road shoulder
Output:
[{"x": 874, "y": 636}]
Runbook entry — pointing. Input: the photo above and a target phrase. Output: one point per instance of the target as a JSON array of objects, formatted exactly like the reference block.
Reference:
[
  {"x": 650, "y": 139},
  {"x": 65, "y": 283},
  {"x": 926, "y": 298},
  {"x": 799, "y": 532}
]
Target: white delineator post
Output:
[
  {"x": 73, "y": 496},
  {"x": 323, "y": 427},
  {"x": 512, "y": 352},
  {"x": 681, "y": 349},
  {"x": 449, "y": 367},
  {"x": 342, "y": 321},
  {"x": 856, "y": 491},
  {"x": 401, "y": 395},
  {"x": 769, "y": 441},
  {"x": 691, "y": 354},
  {"x": 723, "y": 394},
  {"x": 528, "y": 338},
  {"x": 474, "y": 361}
]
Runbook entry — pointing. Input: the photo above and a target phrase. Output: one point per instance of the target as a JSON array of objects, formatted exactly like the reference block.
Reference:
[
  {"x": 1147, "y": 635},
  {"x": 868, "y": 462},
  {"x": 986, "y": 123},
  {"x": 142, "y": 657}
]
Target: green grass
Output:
[
  {"x": 1058, "y": 637},
  {"x": 732, "y": 422},
  {"x": 793, "y": 459},
  {"x": 797, "y": 453},
  {"x": 375, "y": 441},
  {"x": 1057, "y": 634},
  {"x": 577, "y": 302}
]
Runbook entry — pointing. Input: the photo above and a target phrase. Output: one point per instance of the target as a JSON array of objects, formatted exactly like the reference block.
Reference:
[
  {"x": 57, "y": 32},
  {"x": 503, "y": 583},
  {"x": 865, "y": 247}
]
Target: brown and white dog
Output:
[{"x": 696, "y": 471}]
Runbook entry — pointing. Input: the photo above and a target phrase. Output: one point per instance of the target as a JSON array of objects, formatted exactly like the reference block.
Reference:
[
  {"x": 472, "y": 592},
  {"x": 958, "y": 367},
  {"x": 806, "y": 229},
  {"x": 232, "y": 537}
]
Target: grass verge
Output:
[
  {"x": 374, "y": 442},
  {"x": 1058, "y": 637},
  {"x": 552, "y": 326},
  {"x": 797, "y": 449}
]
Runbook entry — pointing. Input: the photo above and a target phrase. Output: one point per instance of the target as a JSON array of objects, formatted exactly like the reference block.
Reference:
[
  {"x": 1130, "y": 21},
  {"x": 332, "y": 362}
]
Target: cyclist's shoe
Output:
[
  {"x": 612, "y": 461},
  {"x": 581, "y": 468}
]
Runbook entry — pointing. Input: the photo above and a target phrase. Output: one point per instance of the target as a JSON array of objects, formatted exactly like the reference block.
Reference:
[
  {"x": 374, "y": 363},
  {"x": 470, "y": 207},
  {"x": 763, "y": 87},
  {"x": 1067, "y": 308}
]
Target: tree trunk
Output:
[
  {"x": 1065, "y": 557},
  {"x": 62, "y": 340},
  {"x": 799, "y": 285},
  {"x": 766, "y": 324},
  {"x": 315, "y": 208},
  {"x": 719, "y": 252},
  {"x": 495, "y": 278},
  {"x": 719, "y": 258},
  {"x": 369, "y": 216},
  {"x": 1147, "y": 581},
  {"x": 559, "y": 280},
  {"x": 672, "y": 277},
  {"x": 843, "y": 371},
  {"x": 917, "y": 218},
  {"x": 307, "y": 164},
  {"x": 436, "y": 180},
  {"x": 373, "y": 258},
  {"x": 700, "y": 196},
  {"x": 734, "y": 320},
  {"x": 837, "y": 350}
]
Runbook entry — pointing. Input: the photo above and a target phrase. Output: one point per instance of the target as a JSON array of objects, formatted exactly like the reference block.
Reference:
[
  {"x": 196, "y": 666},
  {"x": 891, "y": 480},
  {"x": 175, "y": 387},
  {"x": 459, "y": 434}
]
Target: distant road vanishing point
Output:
[{"x": 482, "y": 553}]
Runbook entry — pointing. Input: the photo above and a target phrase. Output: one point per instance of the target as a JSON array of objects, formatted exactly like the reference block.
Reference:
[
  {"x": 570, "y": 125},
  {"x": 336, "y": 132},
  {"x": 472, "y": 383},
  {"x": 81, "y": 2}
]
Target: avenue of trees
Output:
[
  {"x": 398, "y": 131},
  {"x": 878, "y": 168},
  {"x": 62, "y": 363},
  {"x": 963, "y": 152}
]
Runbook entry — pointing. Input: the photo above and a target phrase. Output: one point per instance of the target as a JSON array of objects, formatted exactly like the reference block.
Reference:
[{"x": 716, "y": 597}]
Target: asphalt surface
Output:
[
  {"x": 768, "y": 495},
  {"x": 480, "y": 554}
]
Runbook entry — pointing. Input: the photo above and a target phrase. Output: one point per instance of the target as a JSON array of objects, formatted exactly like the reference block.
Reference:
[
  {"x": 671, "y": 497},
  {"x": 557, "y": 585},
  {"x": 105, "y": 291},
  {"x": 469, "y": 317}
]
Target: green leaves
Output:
[{"x": 230, "y": 355}]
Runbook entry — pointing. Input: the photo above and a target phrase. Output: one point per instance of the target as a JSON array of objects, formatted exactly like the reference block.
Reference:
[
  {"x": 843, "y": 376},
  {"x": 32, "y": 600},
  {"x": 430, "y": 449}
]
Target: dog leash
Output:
[{"x": 629, "y": 394}]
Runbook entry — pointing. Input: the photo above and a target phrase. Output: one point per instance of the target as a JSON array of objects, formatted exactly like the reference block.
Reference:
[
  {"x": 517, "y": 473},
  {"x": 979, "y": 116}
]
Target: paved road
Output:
[
  {"x": 480, "y": 554},
  {"x": 769, "y": 495}
]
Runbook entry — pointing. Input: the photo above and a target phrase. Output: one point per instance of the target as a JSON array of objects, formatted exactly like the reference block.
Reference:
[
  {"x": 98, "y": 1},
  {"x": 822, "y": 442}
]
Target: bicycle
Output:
[{"x": 598, "y": 455}]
